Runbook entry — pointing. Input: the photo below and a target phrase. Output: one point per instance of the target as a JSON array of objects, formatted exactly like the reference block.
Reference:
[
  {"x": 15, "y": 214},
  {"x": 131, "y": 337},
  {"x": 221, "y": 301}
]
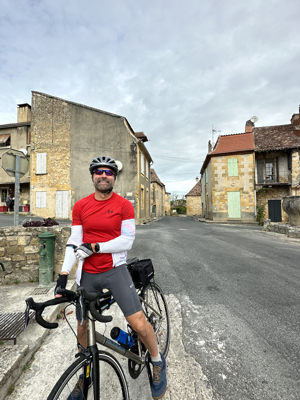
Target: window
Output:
[
  {"x": 142, "y": 164},
  {"x": 41, "y": 199},
  {"x": 269, "y": 170},
  {"x": 266, "y": 166},
  {"x": 147, "y": 169},
  {"x": 3, "y": 195},
  {"x": 41, "y": 163},
  {"x": 232, "y": 167},
  {"x": 142, "y": 198},
  {"x": 5, "y": 140}
]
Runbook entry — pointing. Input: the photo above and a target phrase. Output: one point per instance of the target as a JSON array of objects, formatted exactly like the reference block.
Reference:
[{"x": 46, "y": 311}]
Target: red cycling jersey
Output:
[{"x": 101, "y": 221}]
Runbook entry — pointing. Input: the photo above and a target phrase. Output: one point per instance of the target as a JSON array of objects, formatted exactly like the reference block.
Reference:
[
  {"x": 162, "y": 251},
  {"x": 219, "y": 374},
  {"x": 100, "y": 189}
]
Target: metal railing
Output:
[{"x": 272, "y": 179}]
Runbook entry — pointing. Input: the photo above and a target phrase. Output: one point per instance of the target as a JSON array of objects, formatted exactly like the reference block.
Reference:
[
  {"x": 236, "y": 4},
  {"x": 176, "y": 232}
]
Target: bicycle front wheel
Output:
[
  {"x": 156, "y": 311},
  {"x": 112, "y": 381}
]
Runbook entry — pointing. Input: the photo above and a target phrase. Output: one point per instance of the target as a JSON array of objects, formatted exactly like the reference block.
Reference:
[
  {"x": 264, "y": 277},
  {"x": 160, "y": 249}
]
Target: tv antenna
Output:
[
  {"x": 254, "y": 119},
  {"x": 213, "y": 134}
]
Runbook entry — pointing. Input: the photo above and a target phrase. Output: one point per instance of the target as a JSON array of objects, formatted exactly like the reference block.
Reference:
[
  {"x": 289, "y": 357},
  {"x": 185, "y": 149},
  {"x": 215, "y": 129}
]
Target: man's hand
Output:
[
  {"x": 83, "y": 251},
  {"x": 60, "y": 284}
]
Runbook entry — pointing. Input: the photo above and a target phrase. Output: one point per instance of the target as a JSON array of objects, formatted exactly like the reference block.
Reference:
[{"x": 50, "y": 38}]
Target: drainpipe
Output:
[{"x": 255, "y": 211}]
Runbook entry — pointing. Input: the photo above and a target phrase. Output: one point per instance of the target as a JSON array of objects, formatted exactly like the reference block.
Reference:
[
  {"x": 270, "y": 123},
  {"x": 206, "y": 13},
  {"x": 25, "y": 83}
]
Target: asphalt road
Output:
[
  {"x": 8, "y": 220},
  {"x": 239, "y": 291}
]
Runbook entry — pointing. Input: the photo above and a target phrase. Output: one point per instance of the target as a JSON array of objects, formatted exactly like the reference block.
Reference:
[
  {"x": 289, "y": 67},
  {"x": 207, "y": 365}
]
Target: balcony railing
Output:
[{"x": 271, "y": 179}]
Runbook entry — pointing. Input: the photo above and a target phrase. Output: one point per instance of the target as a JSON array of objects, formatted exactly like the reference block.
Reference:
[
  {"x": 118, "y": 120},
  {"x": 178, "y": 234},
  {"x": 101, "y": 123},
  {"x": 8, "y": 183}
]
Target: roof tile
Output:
[
  {"x": 234, "y": 143},
  {"x": 278, "y": 137},
  {"x": 196, "y": 190}
]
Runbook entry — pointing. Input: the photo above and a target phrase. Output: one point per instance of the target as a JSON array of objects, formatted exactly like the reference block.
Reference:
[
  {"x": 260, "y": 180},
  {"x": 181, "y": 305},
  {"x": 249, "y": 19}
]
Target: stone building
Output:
[
  {"x": 157, "y": 195},
  {"x": 65, "y": 137},
  {"x": 193, "y": 201},
  {"x": 227, "y": 179},
  {"x": 167, "y": 203},
  {"x": 15, "y": 136},
  {"x": 252, "y": 172},
  {"x": 277, "y": 162}
]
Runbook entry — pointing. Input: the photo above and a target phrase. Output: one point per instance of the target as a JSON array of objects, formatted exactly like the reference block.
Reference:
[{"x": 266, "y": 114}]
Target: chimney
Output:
[
  {"x": 24, "y": 112},
  {"x": 249, "y": 126},
  {"x": 295, "y": 120},
  {"x": 209, "y": 146}
]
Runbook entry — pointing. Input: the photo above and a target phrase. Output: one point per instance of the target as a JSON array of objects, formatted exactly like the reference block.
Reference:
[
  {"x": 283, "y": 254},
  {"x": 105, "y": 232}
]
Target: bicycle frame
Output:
[{"x": 94, "y": 337}]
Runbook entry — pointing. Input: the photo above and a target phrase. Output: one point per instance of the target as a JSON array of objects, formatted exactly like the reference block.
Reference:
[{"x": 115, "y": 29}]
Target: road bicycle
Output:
[{"x": 98, "y": 372}]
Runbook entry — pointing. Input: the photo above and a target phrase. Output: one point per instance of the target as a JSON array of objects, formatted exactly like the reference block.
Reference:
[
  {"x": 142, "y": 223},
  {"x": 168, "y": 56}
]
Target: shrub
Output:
[{"x": 47, "y": 222}]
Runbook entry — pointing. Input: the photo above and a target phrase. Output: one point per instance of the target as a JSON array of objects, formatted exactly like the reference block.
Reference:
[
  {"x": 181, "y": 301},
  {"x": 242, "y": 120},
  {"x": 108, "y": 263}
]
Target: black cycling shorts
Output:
[{"x": 119, "y": 282}]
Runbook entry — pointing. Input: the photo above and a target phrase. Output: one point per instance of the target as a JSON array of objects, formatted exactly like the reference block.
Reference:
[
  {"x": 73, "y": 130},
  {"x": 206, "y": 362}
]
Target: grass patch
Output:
[{"x": 10, "y": 390}]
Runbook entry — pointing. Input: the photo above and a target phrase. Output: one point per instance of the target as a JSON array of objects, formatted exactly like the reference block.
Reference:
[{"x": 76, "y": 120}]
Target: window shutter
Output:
[
  {"x": 41, "y": 163},
  {"x": 260, "y": 170},
  {"x": 142, "y": 164},
  {"x": 232, "y": 167},
  {"x": 41, "y": 199}
]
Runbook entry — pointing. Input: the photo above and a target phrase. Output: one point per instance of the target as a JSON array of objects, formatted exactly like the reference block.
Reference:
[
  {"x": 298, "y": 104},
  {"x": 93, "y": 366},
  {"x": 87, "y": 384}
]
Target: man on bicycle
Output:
[{"x": 103, "y": 230}]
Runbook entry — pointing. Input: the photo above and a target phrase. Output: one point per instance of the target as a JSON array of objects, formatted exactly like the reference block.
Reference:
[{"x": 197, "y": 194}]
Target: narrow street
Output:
[{"x": 239, "y": 291}]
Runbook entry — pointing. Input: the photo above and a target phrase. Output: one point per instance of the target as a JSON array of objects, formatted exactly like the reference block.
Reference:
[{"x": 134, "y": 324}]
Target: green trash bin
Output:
[{"x": 46, "y": 259}]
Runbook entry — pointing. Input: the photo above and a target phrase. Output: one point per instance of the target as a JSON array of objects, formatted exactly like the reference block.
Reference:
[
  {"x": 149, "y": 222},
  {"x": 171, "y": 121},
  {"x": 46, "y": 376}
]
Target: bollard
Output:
[{"x": 46, "y": 259}]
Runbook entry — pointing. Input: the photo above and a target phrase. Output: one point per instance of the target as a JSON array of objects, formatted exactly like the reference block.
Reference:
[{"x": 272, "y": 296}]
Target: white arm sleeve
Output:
[
  {"x": 75, "y": 239},
  {"x": 123, "y": 242}
]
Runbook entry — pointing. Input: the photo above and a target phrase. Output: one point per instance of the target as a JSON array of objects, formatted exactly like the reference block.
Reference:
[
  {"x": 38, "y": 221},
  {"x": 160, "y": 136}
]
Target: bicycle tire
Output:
[
  {"x": 153, "y": 295},
  {"x": 112, "y": 380}
]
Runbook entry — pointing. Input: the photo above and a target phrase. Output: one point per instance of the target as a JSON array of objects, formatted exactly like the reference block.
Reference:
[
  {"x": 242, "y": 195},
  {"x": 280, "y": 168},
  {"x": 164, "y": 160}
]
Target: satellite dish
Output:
[
  {"x": 119, "y": 164},
  {"x": 24, "y": 151},
  {"x": 254, "y": 119}
]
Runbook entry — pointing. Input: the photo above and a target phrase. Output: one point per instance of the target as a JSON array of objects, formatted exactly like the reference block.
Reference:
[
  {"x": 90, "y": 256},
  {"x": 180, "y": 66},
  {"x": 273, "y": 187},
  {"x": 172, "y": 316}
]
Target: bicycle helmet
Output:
[{"x": 103, "y": 161}]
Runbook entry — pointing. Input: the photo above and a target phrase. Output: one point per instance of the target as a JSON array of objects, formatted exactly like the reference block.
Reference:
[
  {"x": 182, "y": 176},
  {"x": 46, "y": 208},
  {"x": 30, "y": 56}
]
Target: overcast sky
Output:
[{"x": 173, "y": 68}]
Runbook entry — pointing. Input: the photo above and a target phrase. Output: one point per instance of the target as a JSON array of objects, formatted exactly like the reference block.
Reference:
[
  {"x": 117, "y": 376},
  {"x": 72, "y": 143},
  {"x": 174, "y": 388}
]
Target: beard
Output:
[{"x": 103, "y": 185}]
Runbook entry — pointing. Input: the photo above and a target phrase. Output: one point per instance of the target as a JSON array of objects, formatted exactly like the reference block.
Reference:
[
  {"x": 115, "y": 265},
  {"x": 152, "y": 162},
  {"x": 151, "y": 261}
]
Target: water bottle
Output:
[{"x": 124, "y": 338}]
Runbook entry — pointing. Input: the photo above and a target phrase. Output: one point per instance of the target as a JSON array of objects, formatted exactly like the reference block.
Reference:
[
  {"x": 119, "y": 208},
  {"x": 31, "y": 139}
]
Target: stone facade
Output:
[
  {"x": 272, "y": 193},
  {"x": 193, "y": 201},
  {"x": 217, "y": 188},
  {"x": 19, "y": 252},
  {"x": 157, "y": 195},
  {"x": 193, "y": 206},
  {"x": 51, "y": 136},
  {"x": 167, "y": 203},
  {"x": 68, "y": 136}
]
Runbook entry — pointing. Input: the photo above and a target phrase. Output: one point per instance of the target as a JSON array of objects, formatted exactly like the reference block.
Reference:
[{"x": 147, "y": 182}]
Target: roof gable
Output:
[
  {"x": 196, "y": 190},
  {"x": 154, "y": 178}
]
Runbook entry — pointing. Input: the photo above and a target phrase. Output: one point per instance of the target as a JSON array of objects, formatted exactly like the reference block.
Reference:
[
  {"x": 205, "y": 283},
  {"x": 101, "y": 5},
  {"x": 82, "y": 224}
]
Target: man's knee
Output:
[{"x": 139, "y": 324}]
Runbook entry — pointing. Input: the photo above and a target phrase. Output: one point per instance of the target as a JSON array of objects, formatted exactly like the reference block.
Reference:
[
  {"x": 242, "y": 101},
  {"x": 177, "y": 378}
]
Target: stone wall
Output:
[
  {"x": 285, "y": 229},
  {"x": 19, "y": 252},
  {"x": 273, "y": 193},
  {"x": 193, "y": 206},
  {"x": 51, "y": 135}
]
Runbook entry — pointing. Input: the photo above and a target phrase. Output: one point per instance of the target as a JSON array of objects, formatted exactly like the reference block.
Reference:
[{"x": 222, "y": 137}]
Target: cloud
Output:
[{"x": 172, "y": 68}]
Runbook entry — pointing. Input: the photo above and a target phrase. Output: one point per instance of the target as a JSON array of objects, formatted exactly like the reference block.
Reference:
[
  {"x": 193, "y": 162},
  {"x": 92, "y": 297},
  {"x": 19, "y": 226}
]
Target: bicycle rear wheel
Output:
[
  {"x": 156, "y": 312},
  {"x": 112, "y": 381}
]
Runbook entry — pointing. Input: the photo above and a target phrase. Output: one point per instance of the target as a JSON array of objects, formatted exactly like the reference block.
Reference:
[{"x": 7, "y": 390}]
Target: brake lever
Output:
[{"x": 27, "y": 318}]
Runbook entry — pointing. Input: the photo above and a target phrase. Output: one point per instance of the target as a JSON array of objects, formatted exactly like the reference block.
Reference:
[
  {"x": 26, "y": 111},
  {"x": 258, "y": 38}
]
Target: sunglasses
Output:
[{"x": 108, "y": 172}]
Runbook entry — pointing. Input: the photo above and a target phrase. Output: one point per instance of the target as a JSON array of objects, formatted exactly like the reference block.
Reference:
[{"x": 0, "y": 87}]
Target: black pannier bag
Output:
[{"x": 142, "y": 272}]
